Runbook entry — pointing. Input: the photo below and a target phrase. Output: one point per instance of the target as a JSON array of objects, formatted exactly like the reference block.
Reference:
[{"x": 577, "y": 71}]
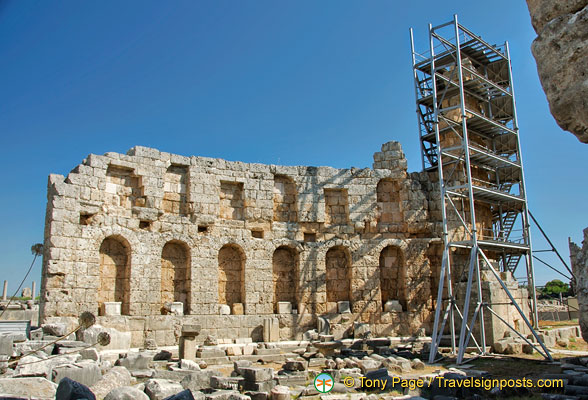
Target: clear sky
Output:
[{"x": 296, "y": 83}]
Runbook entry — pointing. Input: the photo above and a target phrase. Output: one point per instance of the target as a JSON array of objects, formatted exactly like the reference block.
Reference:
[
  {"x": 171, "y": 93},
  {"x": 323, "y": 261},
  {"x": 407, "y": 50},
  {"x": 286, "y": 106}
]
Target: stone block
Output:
[
  {"x": 37, "y": 388},
  {"x": 280, "y": 393},
  {"x": 159, "y": 389},
  {"x": 237, "y": 309},
  {"x": 187, "y": 348},
  {"x": 249, "y": 349},
  {"x": 198, "y": 380},
  {"x": 90, "y": 354},
  {"x": 234, "y": 350},
  {"x": 55, "y": 329},
  {"x": 343, "y": 307},
  {"x": 191, "y": 330},
  {"x": 392, "y": 306},
  {"x": 189, "y": 365},
  {"x": 126, "y": 393},
  {"x": 224, "y": 309},
  {"x": 254, "y": 374},
  {"x": 209, "y": 352},
  {"x": 84, "y": 372},
  {"x": 271, "y": 330},
  {"x": 284, "y": 307},
  {"x": 295, "y": 365},
  {"x": 136, "y": 361},
  {"x": 118, "y": 340},
  {"x": 115, "y": 377},
  {"x": 111, "y": 308},
  {"x": 6, "y": 345},
  {"x": 176, "y": 308},
  {"x": 225, "y": 383}
]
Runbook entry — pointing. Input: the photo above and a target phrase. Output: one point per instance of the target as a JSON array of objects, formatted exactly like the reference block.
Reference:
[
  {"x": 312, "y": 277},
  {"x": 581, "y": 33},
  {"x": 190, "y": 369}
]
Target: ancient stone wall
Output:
[{"x": 151, "y": 240}]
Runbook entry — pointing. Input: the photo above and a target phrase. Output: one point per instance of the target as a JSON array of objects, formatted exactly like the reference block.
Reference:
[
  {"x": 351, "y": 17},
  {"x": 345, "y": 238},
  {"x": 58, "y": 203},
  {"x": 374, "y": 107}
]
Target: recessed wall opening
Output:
[
  {"x": 257, "y": 233},
  {"x": 202, "y": 228},
  {"x": 145, "y": 225},
  {"x": 392, "y": 276},
  {"x": 123, "y": 187},
  {"x": 338, "y": 270},
  {"x": 231, "y": 201},
  {"x": 389, "y": 201},
  {"x": 284, "y": 195},
  {"x": 285, "y": 276},
  {"x": 336, "y": 207},
  {"x": 175, "y": 274},
  {"x": 231, "y": 275},
  {"x": 309, "y": 237},
  {"x": 115, "y": 272},
  {"x": 86, "y": 218},
  {"x": 175, "y": 187}
]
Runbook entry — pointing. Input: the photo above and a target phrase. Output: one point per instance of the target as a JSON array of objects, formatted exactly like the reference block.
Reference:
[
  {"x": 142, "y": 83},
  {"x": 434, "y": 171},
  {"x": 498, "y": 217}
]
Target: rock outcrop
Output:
[
  {"x": 561, "y": 52},
  {"x": 579, "y": 258}
]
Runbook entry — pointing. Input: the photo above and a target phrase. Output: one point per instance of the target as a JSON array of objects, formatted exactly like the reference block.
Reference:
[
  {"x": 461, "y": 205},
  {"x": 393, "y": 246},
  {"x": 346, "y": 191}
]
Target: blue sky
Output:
[{"x": 296, "y": 83}]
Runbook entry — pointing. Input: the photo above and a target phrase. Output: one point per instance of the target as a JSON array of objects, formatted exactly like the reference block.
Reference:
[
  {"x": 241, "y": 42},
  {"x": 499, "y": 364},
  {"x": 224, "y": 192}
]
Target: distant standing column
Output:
[
  {"x": 5, "y": 290},
  {"x": 34, "y": 290}
]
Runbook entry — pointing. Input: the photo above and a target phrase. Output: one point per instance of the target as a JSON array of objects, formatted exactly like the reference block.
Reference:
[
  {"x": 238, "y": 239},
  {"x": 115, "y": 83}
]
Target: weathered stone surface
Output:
[
  {"x": 148, "y": 228},
  {"x": 254, "y": 374},
  {"x": 280, "y": 393},
  {"x": 561, "y": 52},
  {"x": 543, "y": 11},
  {"x": 116, "y": 377},
  {"x": 56, "y": 329},
  {"x": 84, "y": 372},
  {"x": 126, "y": 393},
  {"x": 579, "y": 259},
  {"x": 39, "y": 388},
  {"x": 118, "y": 340},
  {"x": 198, "y": 380},
  {"x": 136, "y": 361},
  {"x": 159, "y": 389},
  {"x": 189, "y": 365},
  {"x": 6, "y": 345}
]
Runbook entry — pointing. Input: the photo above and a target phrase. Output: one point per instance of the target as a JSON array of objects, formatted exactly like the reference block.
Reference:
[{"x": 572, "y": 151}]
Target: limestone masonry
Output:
[{"x": 152, "y": 241}]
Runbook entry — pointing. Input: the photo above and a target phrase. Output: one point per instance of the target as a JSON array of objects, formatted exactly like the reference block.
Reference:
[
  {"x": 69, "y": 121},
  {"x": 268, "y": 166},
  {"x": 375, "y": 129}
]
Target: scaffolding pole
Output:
[{"x": 469, "y": 134}]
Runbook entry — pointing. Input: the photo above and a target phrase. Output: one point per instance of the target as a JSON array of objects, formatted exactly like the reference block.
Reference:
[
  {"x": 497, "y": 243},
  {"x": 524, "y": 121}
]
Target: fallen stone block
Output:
[
  {"x": 295, "y": 365},
  {"x": 253, "y": 374},
  {"x": 159, "y": 389},
  {"x": 280, "y": 393},
  {"x": 135, "y": 361},
  {"x": 116, "y": 377},
  {"x": 210, "y": 352},
  {"x": 38, "y": 388},
  {"x": 258, "y": 395},
  {"x": 189, "y": 365},
  {"x": 239, "y": 364},
  {"x": 118, "y": 340},
  {"x": 226, "y": 383},
  {"x": 89, "y": 354},
  {"x": 6, "y": 345},
  {"x": 71, "y": 390},
  {"x": 55, "y": 329},
  {"x": 198, "y": 380},
  {"x": 87, "y": 373},
  {"x": 369, "y": 365},
  {"x": 126, "y": 393}
]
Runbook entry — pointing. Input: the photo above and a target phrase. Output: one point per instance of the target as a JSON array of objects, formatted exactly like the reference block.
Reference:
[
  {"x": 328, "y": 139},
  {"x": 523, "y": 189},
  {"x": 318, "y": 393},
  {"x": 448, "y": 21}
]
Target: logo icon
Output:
[{"x": 324, "y": 383}]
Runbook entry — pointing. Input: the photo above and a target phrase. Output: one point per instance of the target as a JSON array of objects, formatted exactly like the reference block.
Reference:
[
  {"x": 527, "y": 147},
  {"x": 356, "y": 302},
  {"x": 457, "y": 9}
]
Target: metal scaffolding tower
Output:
[{"x": 465, "y": 104}]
